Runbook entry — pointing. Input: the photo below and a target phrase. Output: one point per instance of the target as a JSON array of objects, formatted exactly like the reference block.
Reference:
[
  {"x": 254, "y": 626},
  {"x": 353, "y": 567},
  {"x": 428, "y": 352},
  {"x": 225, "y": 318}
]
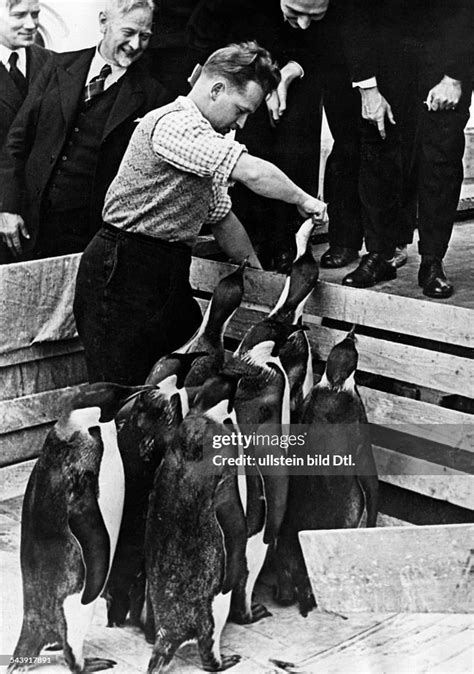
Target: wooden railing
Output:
[{"x": 422, "y": 346}]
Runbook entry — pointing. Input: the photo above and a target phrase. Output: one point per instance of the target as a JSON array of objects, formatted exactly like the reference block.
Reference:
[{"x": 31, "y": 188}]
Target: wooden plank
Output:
[
  {"x": 410, "y": 642},
  {"x": 430, "y": 422},
  {"x": 42, "y": 375},
  {"x": 40, "y": 351},
  {"x": 13, "y": 479},
  {"x": 432, "y": 369},
  {"x": 33, "y": 410},
  {"x": 419, "y": 318},
  {"x": 421, "y": 419},
  {"x": 422, "y": 569},
  {"x": 424, "y": 477},
  {"x": 22, "y": 445},
  {"x": 36, "y": 300}
]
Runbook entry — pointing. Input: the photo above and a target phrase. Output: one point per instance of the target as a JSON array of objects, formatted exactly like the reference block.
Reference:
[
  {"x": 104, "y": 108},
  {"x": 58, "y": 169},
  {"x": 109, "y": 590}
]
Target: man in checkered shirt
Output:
[{"x": 133, "y": 299}]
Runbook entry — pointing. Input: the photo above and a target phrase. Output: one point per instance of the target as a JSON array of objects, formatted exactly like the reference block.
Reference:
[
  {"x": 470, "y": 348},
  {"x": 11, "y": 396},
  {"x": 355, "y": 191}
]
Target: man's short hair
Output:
[
  {"x": 244, "y": 62},
  {"x": 9, "y": 4},
  {"x": 123, "y": 7}
]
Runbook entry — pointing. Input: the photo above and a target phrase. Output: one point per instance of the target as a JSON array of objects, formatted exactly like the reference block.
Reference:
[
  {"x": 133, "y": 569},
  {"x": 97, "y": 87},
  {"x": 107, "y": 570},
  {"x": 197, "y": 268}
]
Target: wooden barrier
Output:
[
  {"x": 424, "y": 569},
  {"x": 424, "y": 345}
]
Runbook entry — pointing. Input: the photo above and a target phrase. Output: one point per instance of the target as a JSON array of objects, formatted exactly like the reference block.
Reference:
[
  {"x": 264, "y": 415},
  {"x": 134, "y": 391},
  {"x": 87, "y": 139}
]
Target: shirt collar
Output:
[
  {"x": 98, "y": 62},
  {"x": 5, "y": 55}
]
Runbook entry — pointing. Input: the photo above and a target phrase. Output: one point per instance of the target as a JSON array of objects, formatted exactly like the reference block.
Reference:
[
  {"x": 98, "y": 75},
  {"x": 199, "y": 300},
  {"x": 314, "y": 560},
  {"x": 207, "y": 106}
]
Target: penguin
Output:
[
  {"x": 70, "y": 522},
  {"x": 262, "y": 404},
  {"x": 337, "y": 425},
  {"x": 209, "y": 339},
  {"x": 295, "y": 355},
  {"x": 195, "y": 533},
  {"x": 143, "y": 438}
]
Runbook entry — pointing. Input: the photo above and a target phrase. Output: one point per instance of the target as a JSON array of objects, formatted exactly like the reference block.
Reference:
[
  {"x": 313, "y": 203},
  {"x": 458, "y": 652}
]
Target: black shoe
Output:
[
  {"x": 338, "y": 256},
  {"x": 372, "y": 269},
  {"x": 433, "y": 280}
]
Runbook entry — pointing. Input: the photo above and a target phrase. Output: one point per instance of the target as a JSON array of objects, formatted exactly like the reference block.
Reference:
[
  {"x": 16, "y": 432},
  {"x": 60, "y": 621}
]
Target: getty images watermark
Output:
[{"x": 326, "y": 449}]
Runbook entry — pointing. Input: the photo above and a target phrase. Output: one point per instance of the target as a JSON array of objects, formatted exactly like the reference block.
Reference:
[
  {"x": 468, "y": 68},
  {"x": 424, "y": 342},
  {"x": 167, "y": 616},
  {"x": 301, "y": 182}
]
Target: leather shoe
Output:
[
  {"x": 432, "y": 278},
  {"x": 372, "y": 269},
  {"x": 338, "y": 256}
]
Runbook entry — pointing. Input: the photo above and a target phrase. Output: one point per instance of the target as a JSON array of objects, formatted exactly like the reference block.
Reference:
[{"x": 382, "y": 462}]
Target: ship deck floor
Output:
[{"x": 361, "y": 643}]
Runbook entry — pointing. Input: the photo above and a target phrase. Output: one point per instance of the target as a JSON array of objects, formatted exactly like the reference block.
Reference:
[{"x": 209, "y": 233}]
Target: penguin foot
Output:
[
  {"x": 285, "y": 596},
  {"x": 286, "y": 666},
  {"x": 306, "y": 604},
  {"x": 97, "y": 664},
  {"x": 54, "y": 647},
  {"x": 259, "y": 611},
  {"x": 227, "y": 661}
]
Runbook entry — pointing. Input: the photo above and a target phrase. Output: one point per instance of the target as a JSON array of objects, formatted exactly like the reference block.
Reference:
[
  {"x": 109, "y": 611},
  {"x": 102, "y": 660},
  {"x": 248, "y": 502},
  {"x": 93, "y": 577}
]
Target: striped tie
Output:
[
  {"x": 17, "y": 76},
  {"x": 96, "y": 85}
]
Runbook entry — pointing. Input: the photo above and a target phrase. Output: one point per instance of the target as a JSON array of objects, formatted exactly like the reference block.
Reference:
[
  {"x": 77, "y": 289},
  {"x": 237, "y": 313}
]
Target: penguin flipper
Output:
[
  {"x": 231, "y": 519},
  {"x": 88, "y": 527},
  {"x": 276, "y": 492},
  {"x": 255, "y": 515}
]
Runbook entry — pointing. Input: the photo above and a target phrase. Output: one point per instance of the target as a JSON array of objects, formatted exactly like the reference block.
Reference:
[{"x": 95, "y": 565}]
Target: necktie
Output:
[
  {"x": 96, "y": 85},
  {"x": 17, "y": 76}
]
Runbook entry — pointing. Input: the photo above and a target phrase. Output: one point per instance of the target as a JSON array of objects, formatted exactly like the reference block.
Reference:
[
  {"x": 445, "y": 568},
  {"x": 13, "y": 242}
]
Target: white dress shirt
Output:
[
  {"x": 5, "y": 55},
  {"x": 97, "y": 63}
]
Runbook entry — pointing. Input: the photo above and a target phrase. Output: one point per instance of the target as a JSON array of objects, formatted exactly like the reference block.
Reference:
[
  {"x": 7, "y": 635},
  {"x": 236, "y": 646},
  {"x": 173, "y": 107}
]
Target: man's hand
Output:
[
  {"x": 374, "y": 109},
  {"x": 12, "y": 228},
  {"x": 276, "y": 101},
  {"x": 445, "y": 95},
  {"x": 314, "y": 209}
]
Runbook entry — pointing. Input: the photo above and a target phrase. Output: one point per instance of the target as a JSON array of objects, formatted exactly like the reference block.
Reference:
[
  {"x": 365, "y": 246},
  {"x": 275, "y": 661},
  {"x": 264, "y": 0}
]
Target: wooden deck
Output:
[{"x": 359, "y": 643}]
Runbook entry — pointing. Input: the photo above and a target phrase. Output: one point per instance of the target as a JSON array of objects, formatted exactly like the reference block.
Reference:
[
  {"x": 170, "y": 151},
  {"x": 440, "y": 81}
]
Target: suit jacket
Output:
[
  {"x": 445, "y": 29},
  {"x": 41, "y": 128},
  {"x": 10, "y": 98},
  {"x": 215, "y": 23}
]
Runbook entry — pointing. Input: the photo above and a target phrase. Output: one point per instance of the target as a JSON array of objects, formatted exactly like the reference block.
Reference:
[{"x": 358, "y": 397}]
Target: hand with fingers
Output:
[
  {"x": 276, "y": 101},
  {"x": 445, "y": 95},
  {"x": 313, "y": 208},
  {"x": 375, "y": 108},
  {"x": 12, "y": 229}
]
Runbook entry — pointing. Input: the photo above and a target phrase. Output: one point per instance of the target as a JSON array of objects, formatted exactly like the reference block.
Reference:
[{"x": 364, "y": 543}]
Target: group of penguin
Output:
[{"x": 125, "y": 500}]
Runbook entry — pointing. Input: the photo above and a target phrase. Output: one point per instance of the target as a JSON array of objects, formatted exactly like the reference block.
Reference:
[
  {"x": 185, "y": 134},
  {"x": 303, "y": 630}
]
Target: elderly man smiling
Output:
[{"x": 66, "y": 145}]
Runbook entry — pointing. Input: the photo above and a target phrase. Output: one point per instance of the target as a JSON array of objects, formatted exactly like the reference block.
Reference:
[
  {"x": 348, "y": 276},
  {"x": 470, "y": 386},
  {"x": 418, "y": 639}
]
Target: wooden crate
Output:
[{"x": 422, "y": 345}]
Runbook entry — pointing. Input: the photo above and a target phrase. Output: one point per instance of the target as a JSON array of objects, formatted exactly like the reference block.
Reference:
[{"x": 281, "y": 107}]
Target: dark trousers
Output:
[
  {"x": 133, "y": 304},
  {"x": 341, "y": 176},
  {"x": 414, "y": 176},
  {"x": 294, "y": 146}
]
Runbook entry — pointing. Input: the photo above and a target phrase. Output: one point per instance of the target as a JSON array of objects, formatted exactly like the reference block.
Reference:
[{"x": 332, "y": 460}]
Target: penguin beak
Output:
[{"x": 351, "y": 334}]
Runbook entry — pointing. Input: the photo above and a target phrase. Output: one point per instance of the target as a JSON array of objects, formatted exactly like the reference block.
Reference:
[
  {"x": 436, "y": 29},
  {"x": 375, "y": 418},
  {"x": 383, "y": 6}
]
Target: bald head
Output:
[{"x": 300, "y": 13}]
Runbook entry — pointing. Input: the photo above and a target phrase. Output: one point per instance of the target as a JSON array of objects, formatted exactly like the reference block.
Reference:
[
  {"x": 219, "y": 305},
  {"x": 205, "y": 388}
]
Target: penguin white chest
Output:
[{"x": 111, "y": 484}]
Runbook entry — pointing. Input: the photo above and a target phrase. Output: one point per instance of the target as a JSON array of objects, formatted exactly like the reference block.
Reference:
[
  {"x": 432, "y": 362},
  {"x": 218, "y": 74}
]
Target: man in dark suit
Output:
[
  {"x": 412, "y": 62},
  {"x": 169, "y": 59},
  {"x": 20, "y": 59},
  {"x": 67, "y": 142},
  {"x": 287, "y": 130}
]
